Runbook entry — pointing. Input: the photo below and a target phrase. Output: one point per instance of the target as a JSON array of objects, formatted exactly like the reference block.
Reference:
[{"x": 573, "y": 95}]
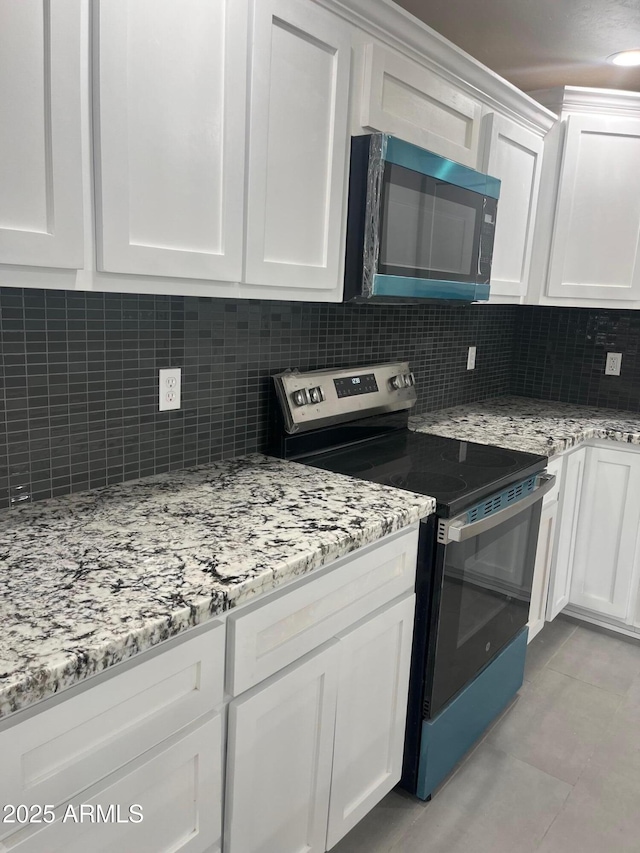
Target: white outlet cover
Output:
[
  {"x": 169, "y": 389},
  {"x": 613, "y": 364},
  {"x": 471, "y": 358}
]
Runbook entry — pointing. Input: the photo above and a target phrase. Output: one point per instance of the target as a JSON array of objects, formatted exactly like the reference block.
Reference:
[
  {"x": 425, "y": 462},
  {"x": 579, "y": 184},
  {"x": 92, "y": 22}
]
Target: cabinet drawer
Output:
[
  {"x": 269, "y": 635},
  {"x": 59, "y": 752},
  {"x": 177, "y": 792}
]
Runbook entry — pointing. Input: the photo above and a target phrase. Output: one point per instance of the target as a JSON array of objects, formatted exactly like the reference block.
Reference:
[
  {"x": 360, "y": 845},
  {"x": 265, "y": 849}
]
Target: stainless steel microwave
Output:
[{"x": 419, "y": 226}]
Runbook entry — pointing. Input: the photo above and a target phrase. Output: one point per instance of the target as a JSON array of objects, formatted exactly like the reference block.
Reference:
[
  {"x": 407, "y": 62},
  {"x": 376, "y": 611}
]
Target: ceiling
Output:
[{"x": 537, "y": 44}]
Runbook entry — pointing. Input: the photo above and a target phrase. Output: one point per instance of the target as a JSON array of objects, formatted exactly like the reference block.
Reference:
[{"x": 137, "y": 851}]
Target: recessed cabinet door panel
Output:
[
  {"x": 40, "y": 171},
  {"x": 279, "y": 754},
  {"x": 370, "y": 721},
  {"x": 170, "y": 137},
  {"x": 607, "y": 537},
  {"x": 514, "y": 155},
  {"x": 410, "y": 101},
  {"x": 597, "y": 227},
  {"x": 298, "y": 146}
]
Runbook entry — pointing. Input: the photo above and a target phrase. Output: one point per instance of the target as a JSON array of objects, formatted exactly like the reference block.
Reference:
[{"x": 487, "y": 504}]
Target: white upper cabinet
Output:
[
  {"x": 595, "y": 244},
  {"x": 298, "y": 146},
  {"x": 587, "y": 233},
  {"x": 408, "y": 100},
  {"x": 40, "y": 143},
  {"x": 513, "y": 154},
  {"x": 170, "y": 137},
  {"x": 216, "y": 135}
]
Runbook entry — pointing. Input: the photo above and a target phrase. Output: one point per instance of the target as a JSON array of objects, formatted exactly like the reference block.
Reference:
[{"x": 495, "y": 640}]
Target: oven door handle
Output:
[{"x": 456, "y": 530}]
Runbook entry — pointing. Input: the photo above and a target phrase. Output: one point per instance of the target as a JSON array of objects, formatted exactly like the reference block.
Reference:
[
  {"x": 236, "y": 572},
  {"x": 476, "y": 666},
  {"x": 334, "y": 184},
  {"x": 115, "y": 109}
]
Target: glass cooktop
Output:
[{"x": 456, "y": 473}]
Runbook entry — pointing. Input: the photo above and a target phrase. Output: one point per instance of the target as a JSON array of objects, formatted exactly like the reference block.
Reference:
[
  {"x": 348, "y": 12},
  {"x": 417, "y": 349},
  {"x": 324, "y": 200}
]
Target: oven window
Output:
[
  {"x": 485, "y": 597},
  {"x": 430, "y": 229}
]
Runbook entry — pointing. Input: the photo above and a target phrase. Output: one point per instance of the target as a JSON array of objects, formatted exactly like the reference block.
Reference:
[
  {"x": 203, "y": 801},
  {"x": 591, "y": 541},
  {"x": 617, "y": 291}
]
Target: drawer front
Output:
[
  {"x": 170, "y": 803},
  {"x": 59, "y": 752},
  {"x": 269, "y": 635}
]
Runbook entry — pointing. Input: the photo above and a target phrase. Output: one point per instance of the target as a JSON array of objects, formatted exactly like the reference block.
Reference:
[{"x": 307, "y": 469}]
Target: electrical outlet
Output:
[
  {"x": 471, "y": 358},
  {"x": 614, "y": 363},
  {"x": 168, "y": 389}
]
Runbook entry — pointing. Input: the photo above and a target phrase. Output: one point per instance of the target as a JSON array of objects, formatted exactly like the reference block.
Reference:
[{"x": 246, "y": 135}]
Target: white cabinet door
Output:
[
  {"x": 298, "y": 144},
  {"x": 607, "y": 536},
  {"x": 40, "y": 158},
  {"x": 514, "y": 155},
  {"x": 568, "y": 515},
  {"x": 170, "y": 137},
  {"x": 594, "y": 253},
  {"x": 542, "y": 570},
  {"x": 401, "y": 97},
  {"x": 279, "y": 754},
  {"x": 370, "y": 721},
  {"x": 177, "y": 790}
]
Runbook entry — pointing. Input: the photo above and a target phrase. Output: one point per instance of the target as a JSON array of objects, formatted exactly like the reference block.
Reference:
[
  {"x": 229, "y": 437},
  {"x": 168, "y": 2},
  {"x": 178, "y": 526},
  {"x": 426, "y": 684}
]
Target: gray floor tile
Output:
[
  {"x": 619, "y": 751},
  {"x": 598, "y": 659},
  {"x": 542, "y": 648},
  {"x": 381, "y": 828},
  {"x": 556, "y": 724},
  {"x": 601, "y": 815},
  {"x": 495, "y": 803}
]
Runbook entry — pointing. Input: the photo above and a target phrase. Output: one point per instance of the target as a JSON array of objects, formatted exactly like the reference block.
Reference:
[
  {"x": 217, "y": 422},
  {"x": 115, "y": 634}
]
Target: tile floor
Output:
[{"x": 559, "y": 772}]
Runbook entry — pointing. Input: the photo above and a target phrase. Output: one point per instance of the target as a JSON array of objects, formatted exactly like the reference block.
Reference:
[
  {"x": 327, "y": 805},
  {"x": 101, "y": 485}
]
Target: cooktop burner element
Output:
[
  {"x": 423, "y": 481},
  {"x": 480, "y": 455}
]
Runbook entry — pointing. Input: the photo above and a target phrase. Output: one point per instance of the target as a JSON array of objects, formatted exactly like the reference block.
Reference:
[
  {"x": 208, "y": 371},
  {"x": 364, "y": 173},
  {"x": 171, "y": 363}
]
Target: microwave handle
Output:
[{"x": 455, "y": 530}]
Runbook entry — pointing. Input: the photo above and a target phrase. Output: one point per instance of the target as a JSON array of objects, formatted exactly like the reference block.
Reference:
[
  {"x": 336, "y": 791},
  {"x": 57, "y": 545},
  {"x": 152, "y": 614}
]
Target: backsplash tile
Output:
[
  {"x": 79, "y": 375},
  {"x": 560, "y": 354}
]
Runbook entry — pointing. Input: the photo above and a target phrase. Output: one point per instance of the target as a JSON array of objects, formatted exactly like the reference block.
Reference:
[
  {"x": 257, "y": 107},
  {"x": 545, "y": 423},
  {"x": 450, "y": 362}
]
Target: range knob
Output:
[
  {"x": 300, "y": 397},
  {"x": 316, "y": 395},
  {"x": 398, "y": 382}
]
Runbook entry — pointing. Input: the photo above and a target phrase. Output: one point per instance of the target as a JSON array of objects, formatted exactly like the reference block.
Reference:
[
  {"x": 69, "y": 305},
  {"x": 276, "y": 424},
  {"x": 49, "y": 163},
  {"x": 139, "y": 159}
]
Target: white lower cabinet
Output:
[
  {"x": 605, "y": 561},
  {"x": 167, "y": 803},
  {"x": 595, "y": 572},
  {"x": 542, "y": 569},
  {"x": 314, "y": 748},
  {"x": 373, "y": 689},
  {"x": 568, "y": 514},
  {"x": 279, "y": 753}
]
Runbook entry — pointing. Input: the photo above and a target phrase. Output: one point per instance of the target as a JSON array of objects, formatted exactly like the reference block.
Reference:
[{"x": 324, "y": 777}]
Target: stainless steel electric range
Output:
[{"x": 475, "y": 558}]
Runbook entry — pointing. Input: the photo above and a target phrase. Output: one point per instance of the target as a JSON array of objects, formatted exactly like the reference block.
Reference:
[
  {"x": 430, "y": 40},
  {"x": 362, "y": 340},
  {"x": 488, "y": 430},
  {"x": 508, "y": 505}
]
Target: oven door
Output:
[{"x": 486, "y": 569}]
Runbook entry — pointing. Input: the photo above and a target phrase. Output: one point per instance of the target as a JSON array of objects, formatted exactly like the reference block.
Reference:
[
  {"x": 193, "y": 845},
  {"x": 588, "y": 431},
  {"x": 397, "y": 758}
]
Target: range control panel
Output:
[{"x": 323, "y": 397}]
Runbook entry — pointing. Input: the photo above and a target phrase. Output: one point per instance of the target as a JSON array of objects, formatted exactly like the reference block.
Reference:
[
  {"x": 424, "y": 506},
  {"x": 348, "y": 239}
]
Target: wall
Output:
[
  {"x": 560, "y": 354},
  {"x": 79, "y": 375}
]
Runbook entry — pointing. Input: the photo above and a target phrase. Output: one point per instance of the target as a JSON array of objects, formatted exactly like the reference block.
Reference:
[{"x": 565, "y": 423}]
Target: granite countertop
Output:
[
  {"x": 89, "y": 580},
  {"x": 535, "y": 426}
]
